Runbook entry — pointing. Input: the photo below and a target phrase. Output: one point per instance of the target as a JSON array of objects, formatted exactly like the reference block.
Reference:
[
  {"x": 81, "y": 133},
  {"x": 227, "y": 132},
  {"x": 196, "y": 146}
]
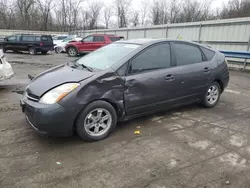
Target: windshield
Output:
[{"x": 105, "y": 57}]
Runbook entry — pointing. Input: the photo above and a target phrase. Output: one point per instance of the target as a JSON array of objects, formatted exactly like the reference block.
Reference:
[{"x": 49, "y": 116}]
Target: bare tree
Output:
[
  {"x": 94, "y": 9},
  {"x": 24, "y": 9},
  {"x": 144, "y": 12},
  {"x": 122, "y": 11},
  {"x": 174, "y": 11},
  {"x": 195, "y": 11},
  {"x": 235, "y": 8},
  {"x": 107, "y": 15},
  {"x": 45, "y": 7},
  {"x": 135, "y": 19},
  {"x": 159, "y": 12}
]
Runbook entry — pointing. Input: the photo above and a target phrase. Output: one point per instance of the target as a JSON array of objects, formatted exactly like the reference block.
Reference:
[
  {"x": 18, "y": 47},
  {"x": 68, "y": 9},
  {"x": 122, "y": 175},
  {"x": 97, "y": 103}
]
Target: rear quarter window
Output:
[
  {"x": 208, "y": 53},
  {"x": 113, "y": 39}
]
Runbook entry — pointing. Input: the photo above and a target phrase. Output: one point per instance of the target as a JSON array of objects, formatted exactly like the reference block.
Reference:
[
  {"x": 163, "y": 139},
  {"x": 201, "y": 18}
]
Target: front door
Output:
[
  {"x": 150, "y": 82},
  {"x": 86, "y": 45}
]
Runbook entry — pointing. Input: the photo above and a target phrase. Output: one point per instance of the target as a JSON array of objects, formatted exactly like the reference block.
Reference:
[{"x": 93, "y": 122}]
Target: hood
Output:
[{"x": 56, "y": 76}]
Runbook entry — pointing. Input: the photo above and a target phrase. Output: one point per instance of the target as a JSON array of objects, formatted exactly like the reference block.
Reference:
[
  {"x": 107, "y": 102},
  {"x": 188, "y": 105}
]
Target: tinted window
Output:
[
  {"x": 38, "y": 38},
  {"x": 105, "y": 57},
  {"x": 46, "y": 38},
  {"x": 99, "y": 39},
  {"x": 187, "y": 54},
  {"x": 88, "y": 39},
  {"x": 156, "y": 57},
  {"x": 18, "y": 37},
  {"x": 208, "y": 53},
  {"x": 12, "y": 38},
  {"x": 29, "y": 38},
  {"x": 61, "y": 37},
  {"x": 113, "y": 39}
]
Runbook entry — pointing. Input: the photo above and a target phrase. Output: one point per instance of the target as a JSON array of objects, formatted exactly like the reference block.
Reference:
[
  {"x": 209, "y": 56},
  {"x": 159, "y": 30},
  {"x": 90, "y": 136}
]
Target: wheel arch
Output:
[{"x": 118, "y": 110}]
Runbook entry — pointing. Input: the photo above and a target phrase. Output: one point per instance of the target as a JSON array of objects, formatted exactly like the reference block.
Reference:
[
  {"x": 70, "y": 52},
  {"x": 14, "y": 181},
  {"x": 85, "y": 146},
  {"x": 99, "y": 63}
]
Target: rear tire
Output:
[
  {"x": 212, "y": 95},
  {"x": 32, "y": 51},
  {"x": 72, "y": 52},
  {"x": 96, "y": 121}
]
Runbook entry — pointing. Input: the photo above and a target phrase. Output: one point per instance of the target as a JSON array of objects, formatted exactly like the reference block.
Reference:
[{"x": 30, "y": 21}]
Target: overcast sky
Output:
[{"x": 136, "y": 3}]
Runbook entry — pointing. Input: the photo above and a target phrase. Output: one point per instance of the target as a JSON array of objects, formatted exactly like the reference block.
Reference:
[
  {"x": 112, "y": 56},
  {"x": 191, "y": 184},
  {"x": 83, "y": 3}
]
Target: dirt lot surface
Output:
[{"x": 185, "y": 147}]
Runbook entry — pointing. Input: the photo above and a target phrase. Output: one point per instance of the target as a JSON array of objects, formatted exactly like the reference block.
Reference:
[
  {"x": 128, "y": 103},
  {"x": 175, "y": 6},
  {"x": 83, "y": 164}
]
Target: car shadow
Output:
[{"x": 124, "y": 130}]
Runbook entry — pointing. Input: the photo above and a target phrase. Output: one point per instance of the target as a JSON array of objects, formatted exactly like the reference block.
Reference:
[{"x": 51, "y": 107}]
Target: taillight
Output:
[{"x": 41, "y": 43}]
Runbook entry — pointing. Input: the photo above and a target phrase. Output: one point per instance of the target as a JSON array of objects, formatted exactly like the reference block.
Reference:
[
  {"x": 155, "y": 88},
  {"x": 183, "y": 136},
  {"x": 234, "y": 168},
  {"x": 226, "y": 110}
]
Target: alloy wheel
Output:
[
  {"x": 212, "y": 94},
  {"x": 98, "y": 122}
]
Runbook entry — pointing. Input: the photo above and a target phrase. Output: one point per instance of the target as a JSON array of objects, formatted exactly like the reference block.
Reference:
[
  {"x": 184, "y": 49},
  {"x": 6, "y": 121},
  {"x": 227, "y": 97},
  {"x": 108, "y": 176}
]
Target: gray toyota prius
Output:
[{"x": 121, "y": 81}]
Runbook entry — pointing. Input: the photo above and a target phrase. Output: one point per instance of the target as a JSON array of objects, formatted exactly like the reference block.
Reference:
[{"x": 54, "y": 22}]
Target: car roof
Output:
[
  {"x": 149, "y": 41},
  {"x": 109, "y": 35}
]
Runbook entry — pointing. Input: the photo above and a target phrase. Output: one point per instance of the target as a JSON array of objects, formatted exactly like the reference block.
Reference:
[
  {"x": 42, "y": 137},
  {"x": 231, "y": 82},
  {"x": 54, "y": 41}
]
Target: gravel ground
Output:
[{"x": 185, "y": 147}]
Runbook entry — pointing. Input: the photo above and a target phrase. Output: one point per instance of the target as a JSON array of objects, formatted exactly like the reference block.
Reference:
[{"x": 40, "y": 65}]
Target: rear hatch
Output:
[{"x": 47, "y": 41}]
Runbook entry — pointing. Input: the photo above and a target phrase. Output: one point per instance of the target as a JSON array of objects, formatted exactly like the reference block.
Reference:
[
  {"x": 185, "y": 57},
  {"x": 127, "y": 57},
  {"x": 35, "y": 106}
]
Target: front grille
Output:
[{"x": 32, "y": 97}]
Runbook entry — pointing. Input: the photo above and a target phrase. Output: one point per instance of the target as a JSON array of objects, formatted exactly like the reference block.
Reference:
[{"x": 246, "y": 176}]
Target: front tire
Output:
[
  {"x": 72, "y": 52},
  {"x": 212, "y": 95},
  {"x": 96, "y": 121}
]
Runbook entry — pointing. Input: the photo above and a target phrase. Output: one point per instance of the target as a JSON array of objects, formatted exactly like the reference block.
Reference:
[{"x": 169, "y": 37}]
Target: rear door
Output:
[
  {"x": 28, "y": 41},
  {"x": 192, "y": 71},
  {"x": 150, "y": 82},
  {"x": 98, "y": 42}
]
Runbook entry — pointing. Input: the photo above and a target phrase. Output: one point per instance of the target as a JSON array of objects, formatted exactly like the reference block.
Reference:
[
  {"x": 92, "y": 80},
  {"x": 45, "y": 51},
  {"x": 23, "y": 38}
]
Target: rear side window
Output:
[
  {"x": 156, "y": 57},
  {"x": 113, "y": 39},
  {"x": 208, "y": 53},
  {"x": 99, "y": 39},
  {"x": 187, "y": 54},
  {"x": 29, "y": 38},
  {"x": 38, "y": 38}
]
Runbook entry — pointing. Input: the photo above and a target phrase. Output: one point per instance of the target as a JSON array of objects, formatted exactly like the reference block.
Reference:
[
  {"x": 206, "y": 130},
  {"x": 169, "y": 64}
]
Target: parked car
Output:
[
  {"x": 59, "y": 38},
  {"x": 60, "y": 47},
  {"x": 28, "y": 42},
  {"x": 122, "y": 81},
  {"x": 6, "y": 71},
  {"x": 90, "y": 43}
]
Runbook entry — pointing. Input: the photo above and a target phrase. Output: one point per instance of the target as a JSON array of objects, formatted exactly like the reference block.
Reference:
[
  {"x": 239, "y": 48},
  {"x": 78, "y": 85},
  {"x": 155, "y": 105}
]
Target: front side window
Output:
[
  {"x": 88, "y": 39},
  {"x": 99, "y": 39},
  {"x": 105, "y": 57},
  {"x": 187, "y": 54},
  {"x": 154, "y": 58},
  {"x": 12, "y": 38}
]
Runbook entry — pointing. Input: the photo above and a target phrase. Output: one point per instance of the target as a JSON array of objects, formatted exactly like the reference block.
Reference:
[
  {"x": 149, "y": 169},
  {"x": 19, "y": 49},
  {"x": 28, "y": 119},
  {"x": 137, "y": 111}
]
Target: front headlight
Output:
[{"x": 56, "y": 94}]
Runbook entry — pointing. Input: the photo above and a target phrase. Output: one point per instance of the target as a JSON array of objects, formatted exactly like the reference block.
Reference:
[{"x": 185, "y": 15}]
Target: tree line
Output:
[{"x": 68, "y": 15}]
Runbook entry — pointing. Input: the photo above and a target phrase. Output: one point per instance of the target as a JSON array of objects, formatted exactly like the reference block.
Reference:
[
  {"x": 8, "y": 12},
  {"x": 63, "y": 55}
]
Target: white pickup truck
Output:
[{"x": 6, "y": 70}]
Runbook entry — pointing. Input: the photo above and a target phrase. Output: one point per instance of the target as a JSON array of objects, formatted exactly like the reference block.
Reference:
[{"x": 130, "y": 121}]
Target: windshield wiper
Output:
[{"x": 86, "y": 67}]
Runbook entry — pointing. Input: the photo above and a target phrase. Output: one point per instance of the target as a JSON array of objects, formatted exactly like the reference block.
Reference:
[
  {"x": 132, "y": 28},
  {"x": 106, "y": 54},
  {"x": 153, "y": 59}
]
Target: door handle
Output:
[
  {"x": 207, "y": 70},
  {"x": 169, "y": 78}
]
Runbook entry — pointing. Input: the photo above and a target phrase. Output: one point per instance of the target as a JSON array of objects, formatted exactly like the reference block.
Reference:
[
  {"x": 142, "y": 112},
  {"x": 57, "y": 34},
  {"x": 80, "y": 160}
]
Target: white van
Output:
[{"x": 6, "y": 70}]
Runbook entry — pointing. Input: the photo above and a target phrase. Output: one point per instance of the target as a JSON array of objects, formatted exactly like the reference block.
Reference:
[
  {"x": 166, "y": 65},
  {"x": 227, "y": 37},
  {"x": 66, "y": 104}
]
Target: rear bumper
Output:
[{"x": 50, "y": 120}]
